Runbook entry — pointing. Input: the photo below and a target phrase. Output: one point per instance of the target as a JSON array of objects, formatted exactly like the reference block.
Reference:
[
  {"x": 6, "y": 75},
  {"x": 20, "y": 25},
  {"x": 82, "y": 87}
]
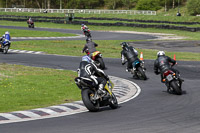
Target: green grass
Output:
[
  {"x": 25, "y": 87},
  {"x": 161, "y": 15},
  {"x": 187, "y": 34},
  {"x": 109, "y": 48},
  {"x": 34, "y": 33}
]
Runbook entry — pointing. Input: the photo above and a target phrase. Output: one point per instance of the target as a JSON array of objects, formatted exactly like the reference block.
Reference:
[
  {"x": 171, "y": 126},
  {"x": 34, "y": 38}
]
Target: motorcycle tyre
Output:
[
  {"x": 114, "y": 102},
  {"x": 176, "y": 88},
  {"x": 5, "y": 49},
  {"x": 87, "y": 102},
  {"x": 101, "y": 62},
  {"x": 88, "y": 34},
  {"x": 143, "y": 75}
]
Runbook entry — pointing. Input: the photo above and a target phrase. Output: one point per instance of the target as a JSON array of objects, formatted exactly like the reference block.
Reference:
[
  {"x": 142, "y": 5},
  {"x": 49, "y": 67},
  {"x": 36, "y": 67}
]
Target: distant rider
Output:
[
  {"x": 89, "y": 47},
  {"x": 83, "y": 27},
  {"x": 163, "y": 63},
  {"x": 89, "y": 70},
  {"x": 5, "y": 38},
  {"x": 128, "y": 54},
  {"x": 29, "y": 21}
]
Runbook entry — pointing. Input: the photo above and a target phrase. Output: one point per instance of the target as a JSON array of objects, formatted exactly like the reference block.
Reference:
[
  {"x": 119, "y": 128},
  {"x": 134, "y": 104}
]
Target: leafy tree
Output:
[
  {"x": 193, "y": 7},
  {"x": 148, "y": 5},
  {"x": 128, "y": 4},
  {"x": 113, "y": 4}
]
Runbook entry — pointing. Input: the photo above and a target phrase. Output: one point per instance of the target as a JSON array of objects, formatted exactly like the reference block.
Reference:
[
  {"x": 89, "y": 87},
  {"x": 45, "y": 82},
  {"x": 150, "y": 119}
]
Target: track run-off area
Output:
[{"x": 152, "y": 111}]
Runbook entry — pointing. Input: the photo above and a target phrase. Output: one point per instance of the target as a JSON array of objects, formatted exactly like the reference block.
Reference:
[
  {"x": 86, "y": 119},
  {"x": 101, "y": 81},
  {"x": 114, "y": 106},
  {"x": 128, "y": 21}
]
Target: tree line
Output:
[{"x": 103, "y": 4}]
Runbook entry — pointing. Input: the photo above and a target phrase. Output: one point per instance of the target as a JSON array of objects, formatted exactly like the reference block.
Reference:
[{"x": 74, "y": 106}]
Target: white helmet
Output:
[
  {"x": 160, "y": 53},
  {"x": 7, "y": 32}
]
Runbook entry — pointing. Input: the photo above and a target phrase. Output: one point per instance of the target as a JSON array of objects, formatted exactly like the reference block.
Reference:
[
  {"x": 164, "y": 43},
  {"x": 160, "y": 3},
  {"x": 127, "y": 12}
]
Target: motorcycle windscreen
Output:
[{"x": 136, "y": 63}]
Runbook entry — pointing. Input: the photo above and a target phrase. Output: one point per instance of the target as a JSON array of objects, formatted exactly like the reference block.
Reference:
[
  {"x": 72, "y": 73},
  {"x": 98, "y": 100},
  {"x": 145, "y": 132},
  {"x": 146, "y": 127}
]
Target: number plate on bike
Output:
[{"x": 169, "y": 77}]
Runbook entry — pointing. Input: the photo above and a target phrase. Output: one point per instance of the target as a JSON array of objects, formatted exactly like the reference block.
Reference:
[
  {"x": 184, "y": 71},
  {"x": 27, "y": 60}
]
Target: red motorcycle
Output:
[
  {"x": 97, "y": 58},
  {"x": 173, "y": 81},
  {"x": 87, "y": 32},
  {"x": 30, "y": 24}
]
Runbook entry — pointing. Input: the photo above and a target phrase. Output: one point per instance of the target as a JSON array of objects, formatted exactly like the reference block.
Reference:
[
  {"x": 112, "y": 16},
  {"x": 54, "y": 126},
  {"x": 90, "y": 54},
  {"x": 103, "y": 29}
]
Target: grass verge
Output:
[
  {"x": 109, "y": 48},
  {"x": 25, "y": 87},
  {"x": 34, "y": 33},
  {"x": 188, "y": 35}
]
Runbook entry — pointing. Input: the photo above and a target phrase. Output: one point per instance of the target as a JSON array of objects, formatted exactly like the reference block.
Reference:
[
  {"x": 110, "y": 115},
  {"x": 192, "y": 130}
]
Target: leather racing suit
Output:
[{"x": 89, "y": 70}]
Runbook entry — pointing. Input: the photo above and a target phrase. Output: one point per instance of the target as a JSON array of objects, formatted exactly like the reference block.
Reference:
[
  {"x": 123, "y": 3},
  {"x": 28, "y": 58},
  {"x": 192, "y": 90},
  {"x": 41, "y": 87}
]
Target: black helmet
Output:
[
  {"x": 124, "y": 45},
  {"x": 88, "y": 40}
]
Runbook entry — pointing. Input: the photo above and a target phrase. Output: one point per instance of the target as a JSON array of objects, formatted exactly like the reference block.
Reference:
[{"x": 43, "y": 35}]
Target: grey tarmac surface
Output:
[
  {"x": 172, "y": 45},
  {"x": 96, "y": 35},
  {"x": 153, "y": 111}
]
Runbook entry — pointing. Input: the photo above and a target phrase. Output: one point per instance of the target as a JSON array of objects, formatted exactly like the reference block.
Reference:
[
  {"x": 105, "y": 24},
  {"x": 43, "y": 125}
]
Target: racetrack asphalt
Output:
[{"x": 153, "y": 111}]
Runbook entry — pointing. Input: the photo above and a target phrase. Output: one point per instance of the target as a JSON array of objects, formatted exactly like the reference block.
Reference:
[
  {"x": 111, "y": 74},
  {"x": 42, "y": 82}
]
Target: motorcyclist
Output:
[
  {"x": 128, "y": 54},
  {"x": 89, "y": 47},
  {"x": 163, "y": 63},
  {"x": 5, "y": 38},
  {"x": 83, "y": 27},
  {"x": 30, "y": 20},
  {"x": 89, "y": 70}
]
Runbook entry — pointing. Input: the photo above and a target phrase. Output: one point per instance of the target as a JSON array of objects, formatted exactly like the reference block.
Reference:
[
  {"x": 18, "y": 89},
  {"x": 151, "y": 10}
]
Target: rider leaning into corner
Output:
[
  {"x": 83, "y": 27},
  {"x": 89, "y": 70},
  {"x": 163, "y": 63},
  {"x": 5, "y": 38},
  {"x": 89, "y": 47},
  {"x": 30, "y": 20},
  {"x": 128, "y": 54}
]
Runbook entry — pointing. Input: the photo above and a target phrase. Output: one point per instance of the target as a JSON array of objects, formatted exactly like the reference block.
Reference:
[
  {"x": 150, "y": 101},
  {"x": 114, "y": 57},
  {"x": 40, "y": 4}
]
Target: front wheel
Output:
[
  {"x": 175, "y": 87},
  {"x": 5, "y": 49},
  {"x": 114, "y": 102},
  {"x": 101, "y": 63},
  {"x": 141, "y": 74},
  {"x": 87, "y": 97}
]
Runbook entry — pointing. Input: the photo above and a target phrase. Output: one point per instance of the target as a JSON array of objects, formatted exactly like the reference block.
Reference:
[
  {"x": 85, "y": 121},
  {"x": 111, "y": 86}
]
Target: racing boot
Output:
[{"x": 101, "y": 89}]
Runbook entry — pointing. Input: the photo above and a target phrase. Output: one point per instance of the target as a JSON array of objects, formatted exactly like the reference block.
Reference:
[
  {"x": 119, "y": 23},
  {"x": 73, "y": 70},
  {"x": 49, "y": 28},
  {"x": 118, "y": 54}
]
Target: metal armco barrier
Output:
[{"x": 84, "y": 11}]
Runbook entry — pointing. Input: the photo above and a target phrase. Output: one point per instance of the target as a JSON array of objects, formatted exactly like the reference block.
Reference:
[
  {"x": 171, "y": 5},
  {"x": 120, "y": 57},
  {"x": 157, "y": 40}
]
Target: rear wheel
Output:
[
  {"x": 88, "y": 34},
  {"x": 114, "y": 102},
  {"x": 87, "y": 97},
  {"x": 175, "y": 87},
  {"x": 101, "y": 63},
  {"x": 5, "y": 49},
  {"x": 141, "y": 74}
]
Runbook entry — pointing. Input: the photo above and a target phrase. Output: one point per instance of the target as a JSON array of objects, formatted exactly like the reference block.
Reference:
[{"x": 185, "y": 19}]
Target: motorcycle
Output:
[
  {"x": 92, "y": 99},
  {"x": 173, "y": 82},
  {"x": 138, "y": 69},
  {"x": 4, "y": 48},
  {"x": 97, "y": 58},
  {"x": 87, "y": 32},
  {"x": 30, "y": 24}
]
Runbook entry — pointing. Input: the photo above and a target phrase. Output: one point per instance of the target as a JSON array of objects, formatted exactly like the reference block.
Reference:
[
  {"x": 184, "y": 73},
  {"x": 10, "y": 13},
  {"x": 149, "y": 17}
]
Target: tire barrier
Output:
[
  {"x": 185, "y": 28},
  {"x": 94, "y": 18}
]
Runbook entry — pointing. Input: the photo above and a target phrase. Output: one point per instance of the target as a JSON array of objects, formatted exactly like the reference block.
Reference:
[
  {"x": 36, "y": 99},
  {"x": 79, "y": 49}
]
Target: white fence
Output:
[{"x": 86, "y": 11}]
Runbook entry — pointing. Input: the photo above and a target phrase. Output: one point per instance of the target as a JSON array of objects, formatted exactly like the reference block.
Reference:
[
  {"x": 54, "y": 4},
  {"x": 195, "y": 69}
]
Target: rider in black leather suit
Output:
[
  {"x": 89, "y": 70},
  {"x": 128, "y": 54},
  {"x": 162, "y": 63}
]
